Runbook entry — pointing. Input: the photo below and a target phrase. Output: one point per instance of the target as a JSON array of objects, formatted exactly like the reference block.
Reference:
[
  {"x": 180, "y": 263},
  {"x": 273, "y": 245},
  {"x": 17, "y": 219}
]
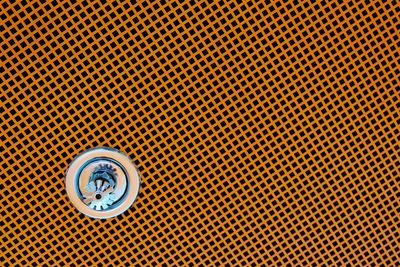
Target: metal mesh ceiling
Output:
[{"x": 265, "y": 133}]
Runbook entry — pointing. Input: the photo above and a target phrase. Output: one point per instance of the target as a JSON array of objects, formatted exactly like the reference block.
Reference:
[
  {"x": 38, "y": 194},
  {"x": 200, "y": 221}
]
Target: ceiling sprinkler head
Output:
[{"x": 102, "y": 182}]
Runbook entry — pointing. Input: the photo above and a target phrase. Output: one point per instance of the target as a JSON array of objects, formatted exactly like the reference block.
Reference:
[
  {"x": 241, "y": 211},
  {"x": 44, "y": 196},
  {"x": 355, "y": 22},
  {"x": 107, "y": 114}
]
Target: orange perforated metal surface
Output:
[{"x": 266, "y": 133}]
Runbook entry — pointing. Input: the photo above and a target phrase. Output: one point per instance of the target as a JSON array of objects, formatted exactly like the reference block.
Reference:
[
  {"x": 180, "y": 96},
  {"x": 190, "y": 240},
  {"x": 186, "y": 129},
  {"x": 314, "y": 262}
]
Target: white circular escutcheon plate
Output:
[{"x": 102, "y": 182}]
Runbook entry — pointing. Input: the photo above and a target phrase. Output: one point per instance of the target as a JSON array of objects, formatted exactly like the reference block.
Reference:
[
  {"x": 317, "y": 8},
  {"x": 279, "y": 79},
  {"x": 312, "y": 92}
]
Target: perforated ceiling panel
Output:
[{"x": 265, "y": 134}]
